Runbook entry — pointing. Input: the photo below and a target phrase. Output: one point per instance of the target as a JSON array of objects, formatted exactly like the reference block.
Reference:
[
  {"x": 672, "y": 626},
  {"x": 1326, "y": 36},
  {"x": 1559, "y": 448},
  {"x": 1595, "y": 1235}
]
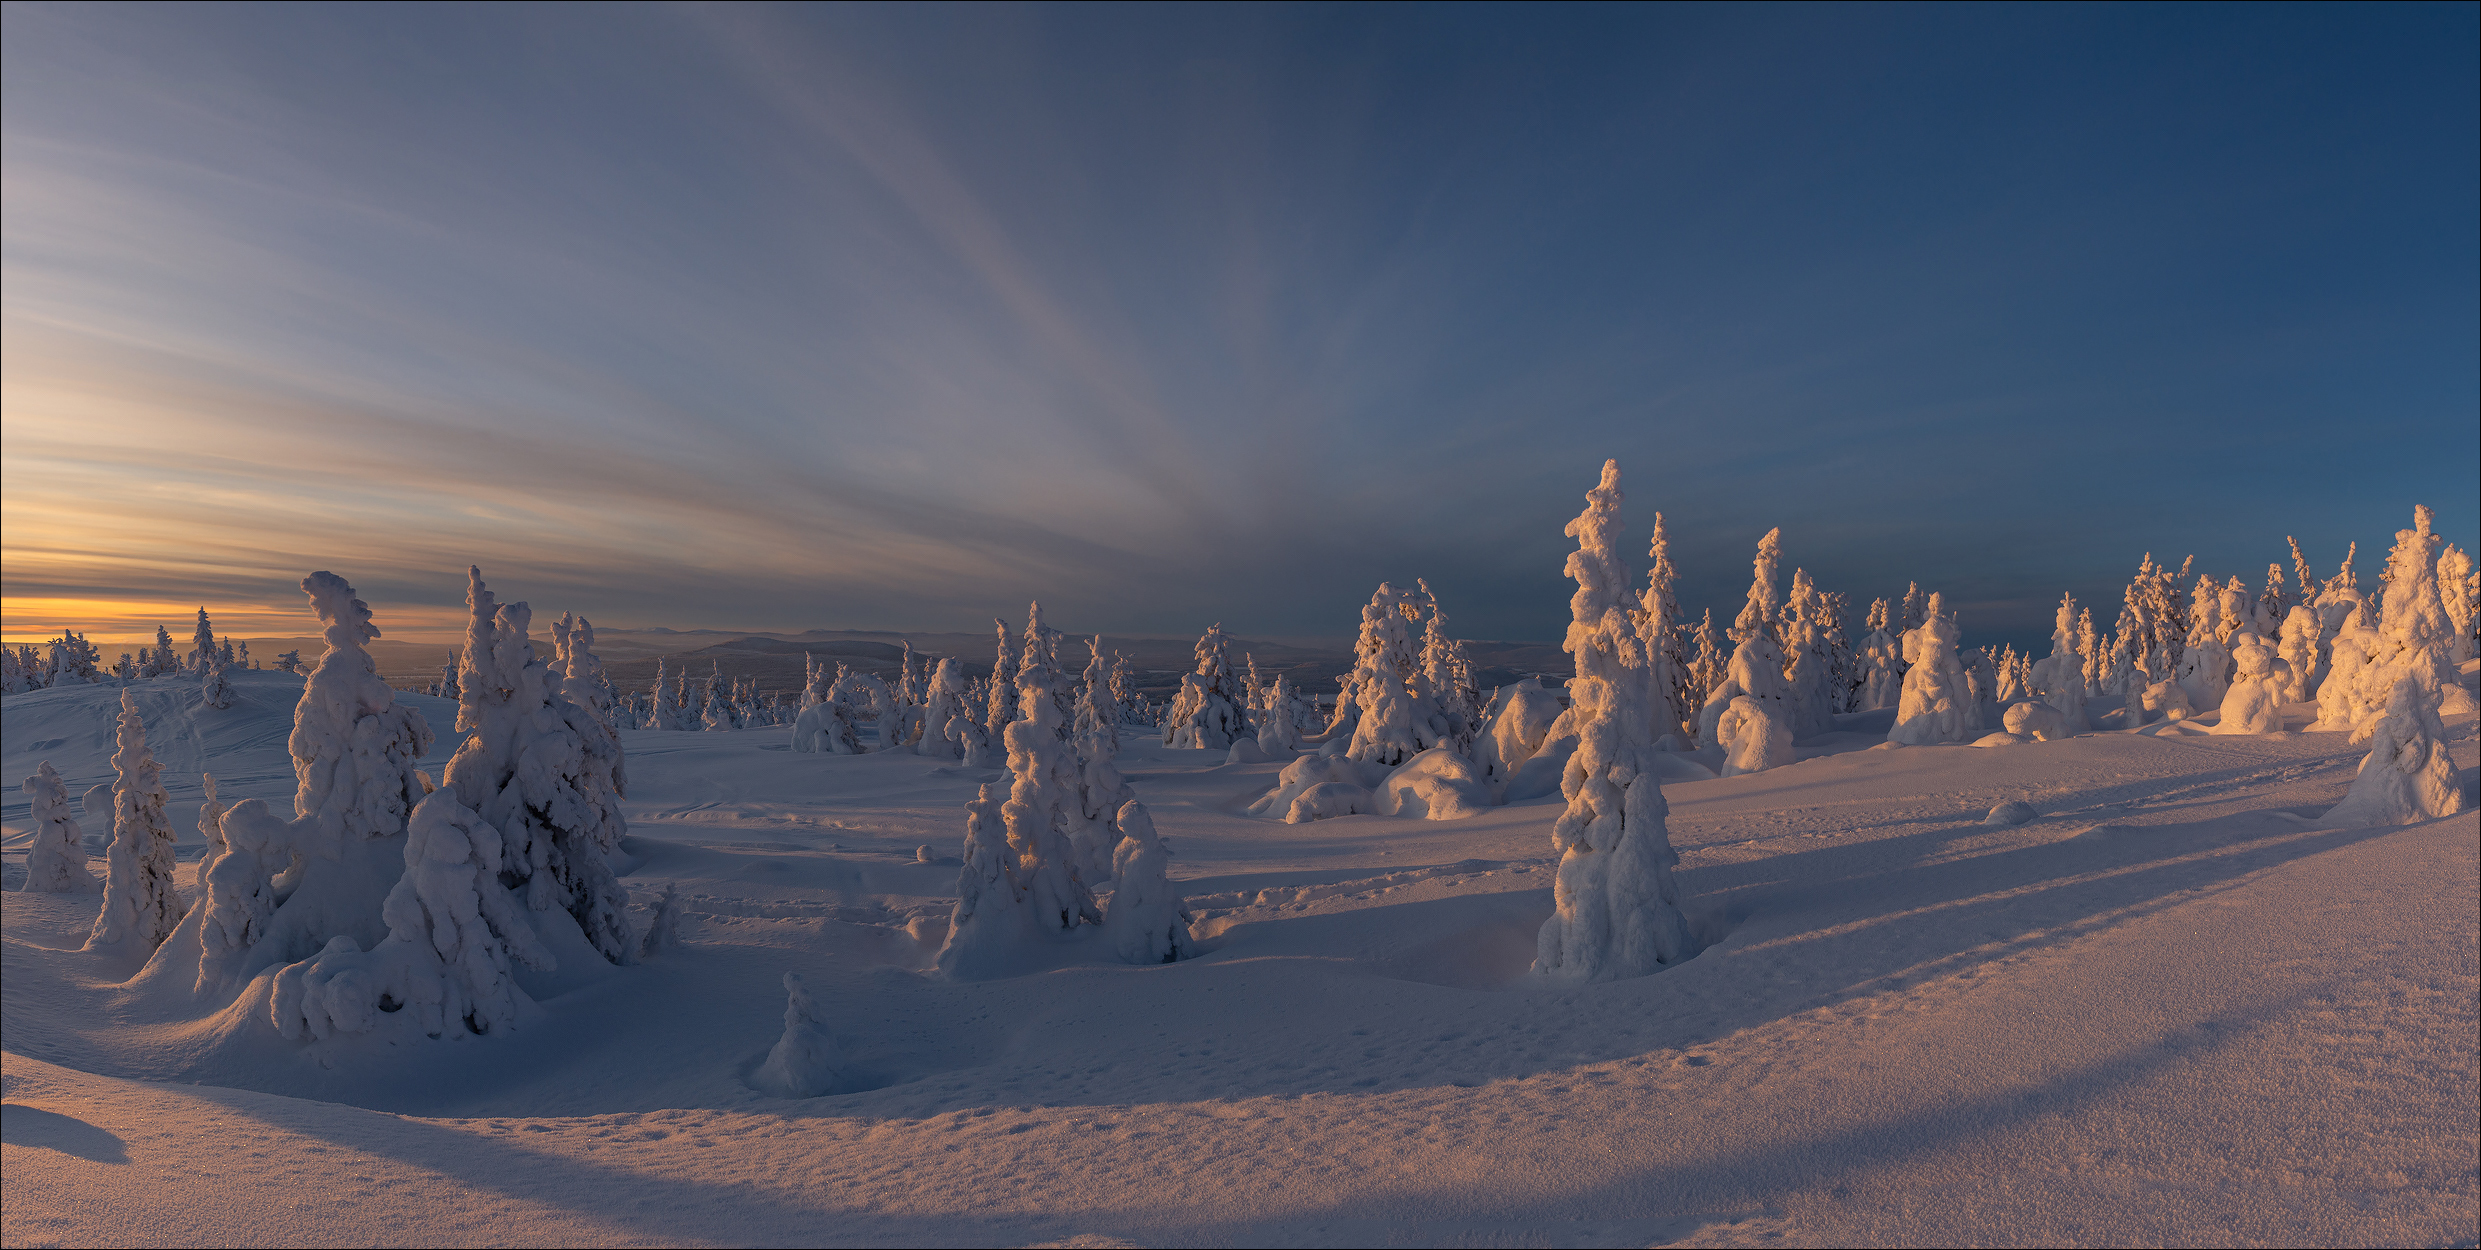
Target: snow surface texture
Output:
[{"x": 2169, "y": 1009}]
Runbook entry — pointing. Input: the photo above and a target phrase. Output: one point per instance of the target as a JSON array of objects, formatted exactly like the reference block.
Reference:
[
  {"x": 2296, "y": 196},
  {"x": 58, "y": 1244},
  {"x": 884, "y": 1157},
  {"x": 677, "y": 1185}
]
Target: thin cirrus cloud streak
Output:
[{"x": 897, "y": 317}]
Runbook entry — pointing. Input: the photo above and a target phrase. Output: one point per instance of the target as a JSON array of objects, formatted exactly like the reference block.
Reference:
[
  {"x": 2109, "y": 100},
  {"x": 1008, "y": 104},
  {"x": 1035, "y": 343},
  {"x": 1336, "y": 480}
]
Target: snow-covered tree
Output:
[
  {"x": 663, "y": 929},
  {"x": 1279, "y": 730},
  {"x": 1938, "y": 703},
  {"x": 1752, "y": 739},
  {"x": 1003, "y": 688},
  {"x": 2204, "y": 672},
  {"x": 56, "y": 855},
  {"x": 453, "y": 932},
  {"x": 1757, "y": 663},
  {"x": 1883, "y": 658},
  {"x": 1617, "y": 906},
  {"x": 2459, "y": 589},
  {"x": 2418, "y": 636},
  {"x": 2061, "y": 676},
  {"x": 239, "y": 891},
  {"x": 1208, "y": 714},
  {"x": 2272, "y": 606},
  {"x": 944, "y": 713},
  {"x": 204, "y": 653},
  {"x": 582, "y": 679},
  {"x": 715, "y": 705},
  {"x": 1914, "y": 605},
  {"x": 2407, "y": 775},
  {"x": 1659, "y": 623},
  {"x": 141, "y": 904},
  {"x": 214, "y": 690},
  {"x": 15, "y": 678},
  {"x": 289, "y": 661},
  {"x": 210, "y": 827},
  {"x": 2342, "y": 699},
  {"x": 543, "y": 772},
  {"x": 2096, "y": 656},
  {"x": 2298, "y": 648},
  {"x": 805, "y": 1062},
  {"x": 1807, "y": 634},
  {"x": 355, "y": 749},
  {"x": 2254, "y": 702},
  {"x": 1708, "y": 671},
  {"x": 1146, "y": 922},
  {"x": 667, "y": 710}
]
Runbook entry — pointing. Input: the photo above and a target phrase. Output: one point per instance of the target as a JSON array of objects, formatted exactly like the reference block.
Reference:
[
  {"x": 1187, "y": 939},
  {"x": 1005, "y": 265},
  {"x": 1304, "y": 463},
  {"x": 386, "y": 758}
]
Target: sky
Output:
[{"x": 784, "y": 317}]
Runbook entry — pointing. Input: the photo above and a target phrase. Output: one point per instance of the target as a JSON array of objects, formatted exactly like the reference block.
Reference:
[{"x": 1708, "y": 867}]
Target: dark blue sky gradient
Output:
[{"x": 892, "y": 317}]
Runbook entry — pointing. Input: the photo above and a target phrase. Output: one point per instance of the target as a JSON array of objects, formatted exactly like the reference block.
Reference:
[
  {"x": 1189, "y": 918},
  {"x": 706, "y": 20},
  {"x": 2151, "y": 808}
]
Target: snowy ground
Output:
[{"x": 2171, "y": 1009}]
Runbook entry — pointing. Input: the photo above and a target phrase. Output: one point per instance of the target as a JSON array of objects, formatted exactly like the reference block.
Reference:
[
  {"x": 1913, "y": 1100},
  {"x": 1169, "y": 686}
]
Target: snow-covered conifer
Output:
[
  {"x": 14, "y": 679},
  {"x": 1003, "y": 688},
  {"x": 453, "y": 931},
  {"x": 354, "y": 747},
  {"x": 2096, "y": 655},
  {"x": 2407, "y": 775},
  {"x": 214, "y": 690},
  {"x": 805, "y": 1062},
  {"x": 663, "y": 929},
  {"x": 582, "y": 679},
  {"x": 1938, "y": 703},
  {"x": 541, "y": 771},
  {"x": 2061, "y": 677},
  {"x": 1045, "y": 806},
  {"x": 1617, "y": 907},
  {"x": 2272, "y": 606},
  {"x": 210, "y": 828},
  {"x": 1146, "y": 922},
  {"x": 2418, "y": 636},
  {"x": 716, "y": 712},
  {"x": 204, "y": 653},
  {"x": 141, "y": 904},
  {"x": 1883, "y": 657},
  {"x": 2205, "y": 665},
  {"x": 1809, "y": 694},
  {"x": 944, "y": 713},
  {"x": 1914, "y": 606},
  {"x": 2459, "y": 589},
  {"x": 1757, "y": 662},
  {"x": 1101, "y": 791},
  {"x": 1279, "y": 730},
  {"x": 1751, "y": 738},
  {"x": 1208, "y": 715},
  {"x": 238, "y": 889},
  {"x": 666, "y": 713},
  {"x": 2343, "y": 700},
  {"x": 2254, "y": 702},
  {"x": 1660, "y": 624},
  {"x": 993, "y": 917},
  {"x": 2298, "y": 648},
  {"x": 56, "y": 855},
  {"x": 1708, "y": 671},
  {"x": 289, "y": 662},
  {"x": 127, "y": 669}
]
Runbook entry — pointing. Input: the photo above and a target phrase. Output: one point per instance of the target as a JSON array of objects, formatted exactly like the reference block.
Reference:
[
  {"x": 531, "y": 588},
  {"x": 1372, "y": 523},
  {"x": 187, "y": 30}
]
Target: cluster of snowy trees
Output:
[
  {"x": 70, "y": 660},
  {"x": 1068, "y": 824},
  {"x": 384, "y": 890}
]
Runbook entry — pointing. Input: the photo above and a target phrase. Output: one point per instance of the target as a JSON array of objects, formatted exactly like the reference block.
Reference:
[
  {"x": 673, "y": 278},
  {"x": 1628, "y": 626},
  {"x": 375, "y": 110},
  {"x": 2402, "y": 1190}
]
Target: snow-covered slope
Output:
[{"x": 2169, "y": 1008}]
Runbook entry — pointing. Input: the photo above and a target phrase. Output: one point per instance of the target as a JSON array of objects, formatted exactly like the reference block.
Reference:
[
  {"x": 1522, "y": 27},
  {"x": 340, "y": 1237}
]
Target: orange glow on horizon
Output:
[{"x": 130, "y": 623}]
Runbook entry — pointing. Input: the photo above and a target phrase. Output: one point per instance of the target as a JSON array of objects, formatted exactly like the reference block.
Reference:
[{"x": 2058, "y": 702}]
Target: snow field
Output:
[{"x": 2169, "y": 1008}]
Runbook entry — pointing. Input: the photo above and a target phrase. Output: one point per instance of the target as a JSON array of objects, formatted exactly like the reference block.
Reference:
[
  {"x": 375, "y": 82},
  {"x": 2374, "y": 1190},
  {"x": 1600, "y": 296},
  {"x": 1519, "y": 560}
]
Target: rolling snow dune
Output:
[{"x": 2169, "y": 1008}]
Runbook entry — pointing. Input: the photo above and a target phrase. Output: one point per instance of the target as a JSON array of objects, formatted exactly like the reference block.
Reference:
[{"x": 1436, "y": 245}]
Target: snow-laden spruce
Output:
[
  {"x": 56, "y": 855},
  {"x": 141, "y": 905},
  {"x": 1400, "y": 715},
  {"x": 215, "y": 690},
  {"x": 1146, "y": 922},
  {"x": 1658, "y": 621},
  {"x": 2060, "y": 676},
  {"x": 805, "y": 1062},
  {"x": 1617, "y": 906},
  {"x": 210, "y": 826},
  {"x": 543, "y": 772},
  {"x": 1207, "y": 714},
  {"x": 2204, "y": 672},
  {"x": 582, "y": 679},
  {"x": 453, "y": 931},
  {"x": 827, "y": 727},
  {"x": 239, "y": 894},
  {"x": 2407, "y": 775},
  {"x": 2254, "y": 702},
  {"x": 1938, "y": 704},
  {"x": 1752, "y": 739},
  {"x": 1757, "y": 663},
  {"x": 663, "y": 929},
  {"x": 1883, "y": 660},
  {"x": 2417, "y": 637},
  {"x": 944, "y": 714},
  {"x": 1021, "y": 881}
]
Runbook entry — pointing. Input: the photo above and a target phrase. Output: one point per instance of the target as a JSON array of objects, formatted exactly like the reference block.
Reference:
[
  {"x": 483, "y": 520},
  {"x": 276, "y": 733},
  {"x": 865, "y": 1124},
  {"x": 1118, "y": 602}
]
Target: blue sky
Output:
[{"x": 897, "y": 317}]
